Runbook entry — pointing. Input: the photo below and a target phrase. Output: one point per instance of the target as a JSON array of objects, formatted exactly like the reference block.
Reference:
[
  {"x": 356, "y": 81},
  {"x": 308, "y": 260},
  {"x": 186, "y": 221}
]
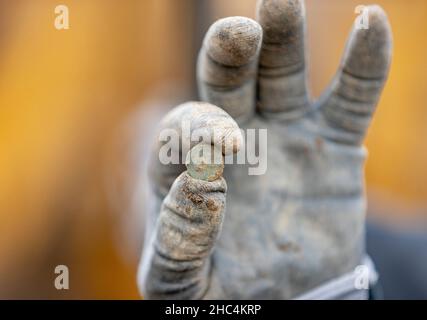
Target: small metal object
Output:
[{"x": 205, "y": 162}]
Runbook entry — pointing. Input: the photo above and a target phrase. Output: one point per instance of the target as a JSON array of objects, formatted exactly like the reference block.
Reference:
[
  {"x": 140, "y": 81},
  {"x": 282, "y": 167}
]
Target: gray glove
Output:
[{"x": 302, "y": 222}]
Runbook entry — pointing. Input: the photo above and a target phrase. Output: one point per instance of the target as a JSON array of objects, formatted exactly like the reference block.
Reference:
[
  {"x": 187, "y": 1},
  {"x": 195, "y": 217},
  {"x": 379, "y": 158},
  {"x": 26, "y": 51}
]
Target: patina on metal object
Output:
[{"x": 205, "y": 162}]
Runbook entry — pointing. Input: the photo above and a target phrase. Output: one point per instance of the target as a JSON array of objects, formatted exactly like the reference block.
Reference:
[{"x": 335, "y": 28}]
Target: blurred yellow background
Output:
[{"x": 65, "y": 93}]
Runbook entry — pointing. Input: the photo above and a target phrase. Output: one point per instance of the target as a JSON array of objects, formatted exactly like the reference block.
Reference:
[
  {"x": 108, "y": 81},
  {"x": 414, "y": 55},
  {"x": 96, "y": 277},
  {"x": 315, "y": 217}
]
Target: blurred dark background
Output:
[{"x": 76, "y": 111}]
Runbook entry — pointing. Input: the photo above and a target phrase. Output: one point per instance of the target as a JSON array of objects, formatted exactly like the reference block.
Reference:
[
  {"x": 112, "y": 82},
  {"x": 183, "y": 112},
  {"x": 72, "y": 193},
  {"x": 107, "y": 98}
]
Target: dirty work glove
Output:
[{"x": 278, "y": 234}]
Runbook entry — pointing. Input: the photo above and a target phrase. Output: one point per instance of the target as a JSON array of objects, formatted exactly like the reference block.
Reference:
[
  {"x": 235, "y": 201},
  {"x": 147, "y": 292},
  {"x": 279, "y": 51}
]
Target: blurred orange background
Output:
[{"x": 66, "y": 95}]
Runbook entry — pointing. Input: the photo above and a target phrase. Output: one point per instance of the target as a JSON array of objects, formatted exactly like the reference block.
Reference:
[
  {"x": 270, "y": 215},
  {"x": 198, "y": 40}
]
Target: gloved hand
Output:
[{"x": 302, "y": 222}]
